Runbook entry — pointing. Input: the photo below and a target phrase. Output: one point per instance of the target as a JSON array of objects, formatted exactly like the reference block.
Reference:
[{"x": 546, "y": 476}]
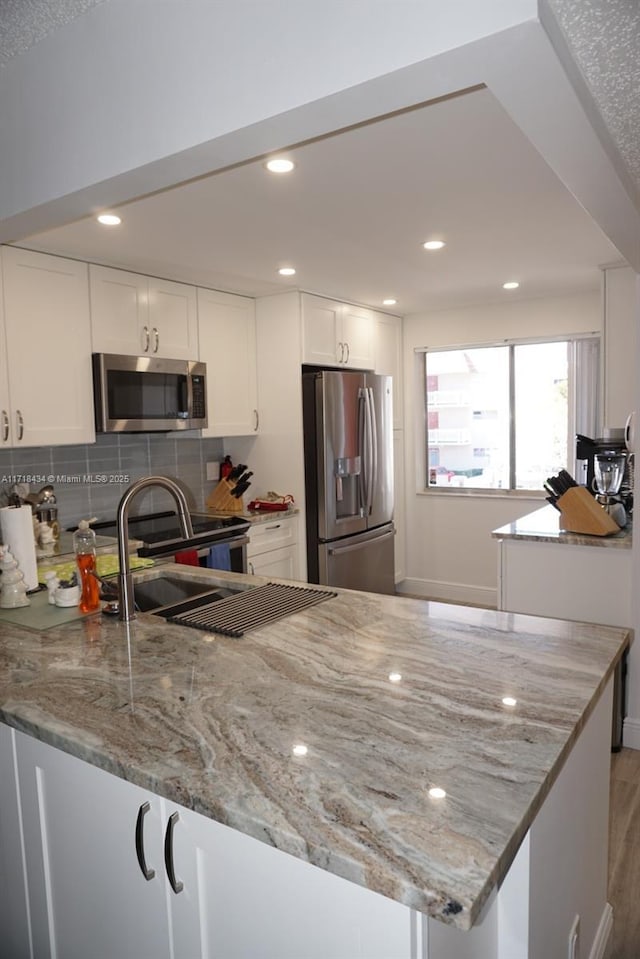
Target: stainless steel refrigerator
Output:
[{"x": 348, "y": 440}]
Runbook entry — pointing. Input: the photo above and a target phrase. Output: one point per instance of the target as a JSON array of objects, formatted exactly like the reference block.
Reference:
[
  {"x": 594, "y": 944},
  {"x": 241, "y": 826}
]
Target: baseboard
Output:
[
  {"x": 631, "y": 732},
  {"x": 450, "y": 592},
  {"x": 602, "y": 933}
]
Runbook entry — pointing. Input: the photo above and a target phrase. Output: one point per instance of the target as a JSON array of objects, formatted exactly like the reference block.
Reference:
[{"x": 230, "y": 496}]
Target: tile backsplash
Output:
[{"x": 89, "y": 480}]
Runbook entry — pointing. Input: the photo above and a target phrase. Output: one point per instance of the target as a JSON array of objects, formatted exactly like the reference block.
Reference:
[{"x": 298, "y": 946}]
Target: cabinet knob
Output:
[
  {"x": 157, "y": 339},
  {"x": 5, "y": 426},
  {"x": 145, "y": 332},
  {"x": 20, "y": 422}
]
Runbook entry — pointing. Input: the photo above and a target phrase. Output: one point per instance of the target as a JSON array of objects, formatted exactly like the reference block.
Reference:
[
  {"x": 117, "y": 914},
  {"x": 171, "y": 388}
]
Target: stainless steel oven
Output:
[{"x": 159, "y": 534}]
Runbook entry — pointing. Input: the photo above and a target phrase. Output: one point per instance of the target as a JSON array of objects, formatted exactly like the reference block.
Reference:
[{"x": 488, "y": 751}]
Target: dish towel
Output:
[
  {"x": 219, "y": 557},
  {"x": 188, "y": 557}
]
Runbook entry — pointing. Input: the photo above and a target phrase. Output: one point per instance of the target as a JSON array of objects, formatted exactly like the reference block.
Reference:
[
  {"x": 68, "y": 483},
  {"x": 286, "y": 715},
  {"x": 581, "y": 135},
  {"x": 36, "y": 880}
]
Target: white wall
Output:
[
  {"x": 450, "y": 553},
  {"x": 151, "y": 92},
  {"x": 618, "y": 293}
]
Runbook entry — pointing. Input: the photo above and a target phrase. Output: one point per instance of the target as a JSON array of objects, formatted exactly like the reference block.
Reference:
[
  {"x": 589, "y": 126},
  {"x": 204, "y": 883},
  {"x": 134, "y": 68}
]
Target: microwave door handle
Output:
[{"x": 186, "y": 395}]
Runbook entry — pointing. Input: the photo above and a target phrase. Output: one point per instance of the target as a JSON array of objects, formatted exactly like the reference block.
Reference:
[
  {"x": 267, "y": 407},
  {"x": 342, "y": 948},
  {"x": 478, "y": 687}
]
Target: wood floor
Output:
[{"x": 624, "y": 855}]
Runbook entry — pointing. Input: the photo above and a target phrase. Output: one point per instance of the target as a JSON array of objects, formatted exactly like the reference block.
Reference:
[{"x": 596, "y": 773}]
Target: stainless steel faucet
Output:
[{"x": 125, "y": 578}]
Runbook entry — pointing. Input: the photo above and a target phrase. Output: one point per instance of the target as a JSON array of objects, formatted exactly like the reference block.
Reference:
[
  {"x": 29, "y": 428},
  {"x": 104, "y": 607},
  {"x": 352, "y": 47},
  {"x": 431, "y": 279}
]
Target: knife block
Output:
[
  {"x": 581, "y": 514},
  {"x": 221, "y": 500}
]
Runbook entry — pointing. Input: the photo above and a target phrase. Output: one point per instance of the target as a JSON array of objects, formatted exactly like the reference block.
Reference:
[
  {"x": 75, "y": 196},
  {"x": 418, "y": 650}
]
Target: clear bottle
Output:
[{"x": 84, "y": 545}]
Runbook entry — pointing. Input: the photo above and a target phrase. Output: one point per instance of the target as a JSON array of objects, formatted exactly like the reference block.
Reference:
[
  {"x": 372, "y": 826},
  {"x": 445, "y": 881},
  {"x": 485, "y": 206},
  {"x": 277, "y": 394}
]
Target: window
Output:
[{"x": 504, "y": 417}]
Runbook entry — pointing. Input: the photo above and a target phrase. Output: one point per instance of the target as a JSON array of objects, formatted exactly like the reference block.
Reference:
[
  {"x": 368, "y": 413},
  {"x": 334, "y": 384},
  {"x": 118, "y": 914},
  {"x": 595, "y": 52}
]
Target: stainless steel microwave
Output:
[{"x": 134, "y": 394}]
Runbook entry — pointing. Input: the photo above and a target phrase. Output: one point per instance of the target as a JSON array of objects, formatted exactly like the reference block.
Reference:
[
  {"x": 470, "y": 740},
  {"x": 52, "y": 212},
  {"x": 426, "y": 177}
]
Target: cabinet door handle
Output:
[
  {"x": 145, "y": 330},
  {"x": 142, "y": 862},
  {"x": 5, "y": 426},
  {"x": 257, "y": 421},
  {"x": 346, "y": 346},
  {"x": 341, "y": 357},
  {"x": 176, "y": 885},
  {"x": 20, "y": 423},
  {"x": 267, "y": 528},
  {"x": 251, "y": 569},
  {"x": 157, "y": 338}
]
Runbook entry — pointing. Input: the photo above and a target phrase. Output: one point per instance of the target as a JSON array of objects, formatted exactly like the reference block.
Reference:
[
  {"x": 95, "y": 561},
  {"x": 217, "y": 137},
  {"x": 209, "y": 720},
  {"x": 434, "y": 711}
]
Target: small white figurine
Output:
[{"x": 14, "y": 591}]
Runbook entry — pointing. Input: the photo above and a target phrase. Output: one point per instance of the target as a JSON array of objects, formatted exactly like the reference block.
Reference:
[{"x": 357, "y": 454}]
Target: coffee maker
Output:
[{"x": 609, "y": 446}]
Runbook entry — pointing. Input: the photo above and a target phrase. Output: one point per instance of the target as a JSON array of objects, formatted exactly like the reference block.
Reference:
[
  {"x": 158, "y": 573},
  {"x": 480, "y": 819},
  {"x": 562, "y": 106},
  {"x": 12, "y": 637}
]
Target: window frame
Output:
[{"x": 580, "y": 419}]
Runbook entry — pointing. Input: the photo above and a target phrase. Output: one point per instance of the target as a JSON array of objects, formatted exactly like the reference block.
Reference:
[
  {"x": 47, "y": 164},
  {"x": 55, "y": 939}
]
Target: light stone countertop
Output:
[
  {"x": 543, "y": 526},
  {"x": 210, "y": 722}
]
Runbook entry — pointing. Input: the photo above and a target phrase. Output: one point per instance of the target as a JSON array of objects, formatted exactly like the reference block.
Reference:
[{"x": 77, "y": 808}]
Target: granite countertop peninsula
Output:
[
  {"x": 210, "y": 722},
  {"x": 543, "y": 526}
]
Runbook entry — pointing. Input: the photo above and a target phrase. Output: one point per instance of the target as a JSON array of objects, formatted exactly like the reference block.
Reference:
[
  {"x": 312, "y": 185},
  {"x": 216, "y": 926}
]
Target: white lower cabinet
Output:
[
  {"x": 15, "y": 940},
  {"x": 87, "y": 894},
  {"x": 273, "y": 549},
  {"x": 213, "y": 893}
]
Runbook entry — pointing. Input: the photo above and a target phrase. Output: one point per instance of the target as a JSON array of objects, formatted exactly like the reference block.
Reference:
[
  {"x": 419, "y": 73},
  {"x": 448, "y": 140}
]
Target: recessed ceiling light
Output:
[
  {"x": 109, "y": 219},
  {"x": 511, "y": 285},
  {"x": 300, "y": 749},
  {"x": 280, "y": 165},
  {"x": 395, "y": 677},
  {"x": 509, "y": 701},
  {"x": 434, "y": 244},
  {"x": 286, "y": 271},
  {"x": 389, "y": 302}
]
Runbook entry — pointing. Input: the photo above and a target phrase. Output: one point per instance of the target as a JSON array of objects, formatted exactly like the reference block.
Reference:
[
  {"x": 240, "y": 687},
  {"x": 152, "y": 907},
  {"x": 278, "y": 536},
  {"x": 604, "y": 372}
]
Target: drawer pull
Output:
[
  {"x": 176, "y": 885},
  {"x": 142, "y": 862}
]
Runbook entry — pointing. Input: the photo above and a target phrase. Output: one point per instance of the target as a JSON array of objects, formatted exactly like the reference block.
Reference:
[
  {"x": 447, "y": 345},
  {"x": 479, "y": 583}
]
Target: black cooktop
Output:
[{"x": 160, "y": 530}]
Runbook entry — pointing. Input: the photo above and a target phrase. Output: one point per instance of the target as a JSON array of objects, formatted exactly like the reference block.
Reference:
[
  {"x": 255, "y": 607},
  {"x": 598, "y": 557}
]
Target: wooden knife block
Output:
[
  {"x": 581, "y": 514},
  {"x": 221, "y": 500}
]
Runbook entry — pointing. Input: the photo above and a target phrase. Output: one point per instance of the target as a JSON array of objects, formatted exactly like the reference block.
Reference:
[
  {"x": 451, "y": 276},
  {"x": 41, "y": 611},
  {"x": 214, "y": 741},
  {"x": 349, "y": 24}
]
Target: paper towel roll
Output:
[{"x": 16, "y": 523}]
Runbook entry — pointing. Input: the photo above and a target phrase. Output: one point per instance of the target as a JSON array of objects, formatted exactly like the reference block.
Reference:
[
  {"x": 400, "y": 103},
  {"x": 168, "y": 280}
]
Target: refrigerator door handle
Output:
[
  {"x": 337, "y": 550},
  {"x": 369, "y": 448},
  {"x": 363, "y": 449},
  {"x": 374, "y": 449}
]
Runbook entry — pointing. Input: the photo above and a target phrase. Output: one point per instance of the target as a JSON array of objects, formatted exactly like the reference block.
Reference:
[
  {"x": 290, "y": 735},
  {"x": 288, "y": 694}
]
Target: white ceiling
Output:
[{"x": 353, "y": 215}]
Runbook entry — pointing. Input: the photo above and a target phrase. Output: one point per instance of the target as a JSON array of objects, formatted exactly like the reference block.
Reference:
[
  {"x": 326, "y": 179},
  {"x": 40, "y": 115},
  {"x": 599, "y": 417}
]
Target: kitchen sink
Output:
[
  {"x": 165, "y": 591},
  {"x": 221, "y": 609},
  {"x": 166, "y": 595}
]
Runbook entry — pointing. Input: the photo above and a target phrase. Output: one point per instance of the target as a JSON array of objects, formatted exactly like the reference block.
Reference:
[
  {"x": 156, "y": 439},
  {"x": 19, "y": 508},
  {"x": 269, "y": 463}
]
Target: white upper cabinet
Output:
[
  {"x": 358, "y": 337},
  {"x": 335, "y": 334},
  {"x": 227, "y": 333},
  {"x": 5, "y": 403},
  {"x": 138, "y": 315},
  {"x": 46, "y": 391},
  {"x": 389, "y": 359}
]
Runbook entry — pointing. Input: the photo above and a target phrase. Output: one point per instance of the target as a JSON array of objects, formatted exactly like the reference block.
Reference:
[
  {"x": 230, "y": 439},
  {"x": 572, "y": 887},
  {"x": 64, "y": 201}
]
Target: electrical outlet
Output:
[
  {"x": 574, "y": 940},
  {"x": 213, "y": 471}
]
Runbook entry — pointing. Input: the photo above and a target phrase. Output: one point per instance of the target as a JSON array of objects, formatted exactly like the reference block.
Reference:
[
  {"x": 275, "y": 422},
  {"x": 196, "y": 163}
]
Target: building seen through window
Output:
[{"x": 504, "y": 417}]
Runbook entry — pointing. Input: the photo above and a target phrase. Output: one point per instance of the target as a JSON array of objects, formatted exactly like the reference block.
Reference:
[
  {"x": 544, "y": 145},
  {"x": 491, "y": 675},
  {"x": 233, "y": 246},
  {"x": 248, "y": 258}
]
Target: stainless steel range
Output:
[{"x": 161, "y": 536}]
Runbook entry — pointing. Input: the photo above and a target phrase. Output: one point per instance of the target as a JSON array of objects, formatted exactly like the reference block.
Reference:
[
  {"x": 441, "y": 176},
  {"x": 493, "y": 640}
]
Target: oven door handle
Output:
[
  {"x": 231, "y": 541},
  {"x": 176, "y": 546}
]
